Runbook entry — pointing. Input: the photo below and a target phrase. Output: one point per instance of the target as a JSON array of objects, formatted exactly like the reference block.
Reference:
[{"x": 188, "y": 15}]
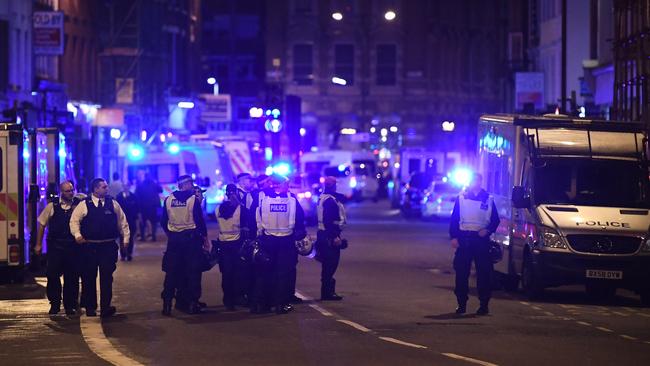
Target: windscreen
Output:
[{"x": 592, "y": 182}]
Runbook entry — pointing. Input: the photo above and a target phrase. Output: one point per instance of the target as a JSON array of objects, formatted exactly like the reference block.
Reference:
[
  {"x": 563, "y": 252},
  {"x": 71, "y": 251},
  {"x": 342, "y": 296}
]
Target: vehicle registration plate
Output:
[{"x": 608, "y": 275}]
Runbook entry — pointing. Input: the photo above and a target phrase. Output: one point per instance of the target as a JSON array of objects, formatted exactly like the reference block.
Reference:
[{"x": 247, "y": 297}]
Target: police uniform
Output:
[
  {"x": 232, "y": 232},
  {"x": 331, "y": 219},
  {"x": 182, "y": 262},
  {"x": 101, "y": 222},
  {"x": 279, "y": 223},
  {"x": 473, "y": 213},
  {"x": 63, "y": 255}
]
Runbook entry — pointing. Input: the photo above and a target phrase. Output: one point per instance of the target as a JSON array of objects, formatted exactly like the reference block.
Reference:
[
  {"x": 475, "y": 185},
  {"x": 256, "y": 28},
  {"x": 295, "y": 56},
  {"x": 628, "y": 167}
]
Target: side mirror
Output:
[{"x": 519, "y": 197}]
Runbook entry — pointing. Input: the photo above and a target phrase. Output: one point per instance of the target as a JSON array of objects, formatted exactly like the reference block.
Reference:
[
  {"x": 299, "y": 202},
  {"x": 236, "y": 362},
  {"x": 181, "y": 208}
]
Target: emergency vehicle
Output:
[
  {"x": 30, "y": 161},
  {"x": 206, "y": 162},
  {"x": 573, "y": 199},
  {"x": 356, "y": 171}
]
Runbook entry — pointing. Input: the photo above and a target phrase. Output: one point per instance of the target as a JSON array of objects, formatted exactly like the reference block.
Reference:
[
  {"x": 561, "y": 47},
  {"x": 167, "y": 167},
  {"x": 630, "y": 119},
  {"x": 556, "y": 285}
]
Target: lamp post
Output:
[{"x": 215, "y": 86}]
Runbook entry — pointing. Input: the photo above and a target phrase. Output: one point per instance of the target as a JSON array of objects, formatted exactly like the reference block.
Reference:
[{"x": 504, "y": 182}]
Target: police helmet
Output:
[{"x": 305, "y": 246}]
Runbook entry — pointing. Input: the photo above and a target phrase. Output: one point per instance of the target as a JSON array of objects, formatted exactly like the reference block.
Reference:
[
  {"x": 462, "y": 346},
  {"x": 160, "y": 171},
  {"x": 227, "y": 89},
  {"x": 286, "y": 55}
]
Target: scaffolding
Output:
[{"x": 632, "y": 61}]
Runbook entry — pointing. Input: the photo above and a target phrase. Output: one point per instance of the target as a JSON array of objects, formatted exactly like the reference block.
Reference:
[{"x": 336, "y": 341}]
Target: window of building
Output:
[
  {"x": 303, "y": 64},
  {"x": 344, "y": 62},
  {"x": 386, "y": 64}
]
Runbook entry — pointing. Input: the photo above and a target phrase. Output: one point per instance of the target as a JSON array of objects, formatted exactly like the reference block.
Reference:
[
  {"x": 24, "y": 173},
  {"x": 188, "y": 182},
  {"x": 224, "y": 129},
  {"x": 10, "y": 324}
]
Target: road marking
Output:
[
  {"x": 584, "y": 323},
  {"x": 397, "y": 341},
  {"x": 629, "y": 337},
  {"x": 605, "y": 329},
  {"x": 647, "y": 342},
  {"x": 549, "y": 313},
  {"x": 468, "y": 359},
  {"x": 42, "y": 281},
  {"x": 354, "y": 325},
  {"x": 313, "y": 306},
  {"x": 644, "y": 315},
  {"x": 536, "y": 308},
  {"x": 619, "y": 313},
  {"x": 524, "y": 303},
  {"x": 93, "y": 334}
]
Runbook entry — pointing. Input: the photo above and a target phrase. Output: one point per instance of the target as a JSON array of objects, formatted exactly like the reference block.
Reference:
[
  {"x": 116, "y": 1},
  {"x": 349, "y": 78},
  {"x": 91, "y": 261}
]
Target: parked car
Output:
[{"x": 439, "y": 199}]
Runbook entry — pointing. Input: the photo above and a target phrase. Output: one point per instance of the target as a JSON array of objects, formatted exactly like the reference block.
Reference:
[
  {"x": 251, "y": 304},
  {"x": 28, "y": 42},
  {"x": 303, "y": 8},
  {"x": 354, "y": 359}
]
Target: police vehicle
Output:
[{"x": 573, "y": 199}]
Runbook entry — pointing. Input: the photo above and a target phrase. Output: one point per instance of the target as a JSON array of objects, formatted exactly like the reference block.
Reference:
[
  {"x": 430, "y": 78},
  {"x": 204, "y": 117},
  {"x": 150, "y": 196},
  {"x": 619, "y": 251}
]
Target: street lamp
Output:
[
  {"x": 339, "y": 81},
  {"x": 215, "y": 86},
  {"x": 337, "y": 16},
  {"x": 390, "y": 15}
]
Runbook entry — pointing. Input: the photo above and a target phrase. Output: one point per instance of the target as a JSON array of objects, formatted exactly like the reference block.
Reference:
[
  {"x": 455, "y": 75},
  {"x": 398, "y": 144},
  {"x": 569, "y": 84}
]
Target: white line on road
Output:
[
  {"x": 605, "y": 329},
  {"x": 629, "y": 337},
  {"x": 354, "y": 325},
  {"x": 397, "y": 341},
  {"x": 584, "y": 323},
  {"x": 524, "y": 303},
  {"x": 468, "y": 359},
  {"x": 619, "y": 313},
  {"x": 42, "y": 281},
  {"x": 91, "y": 329},
  {"x": 320, "y": 310}
]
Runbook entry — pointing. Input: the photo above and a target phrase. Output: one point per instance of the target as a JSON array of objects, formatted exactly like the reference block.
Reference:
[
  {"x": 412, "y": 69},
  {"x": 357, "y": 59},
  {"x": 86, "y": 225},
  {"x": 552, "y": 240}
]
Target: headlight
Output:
[
  {"x": 646, "y": 244},
  {"x": 551, "y": 238}
]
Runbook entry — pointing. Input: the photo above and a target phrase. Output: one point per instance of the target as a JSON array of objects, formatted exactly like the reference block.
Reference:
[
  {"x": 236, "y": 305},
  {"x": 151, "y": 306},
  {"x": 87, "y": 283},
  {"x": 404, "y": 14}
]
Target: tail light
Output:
[{"x": 14, "y": 254}]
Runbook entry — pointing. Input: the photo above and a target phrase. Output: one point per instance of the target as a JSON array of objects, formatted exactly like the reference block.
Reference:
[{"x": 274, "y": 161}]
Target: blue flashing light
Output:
[
  {"x": 461, "y": 177},
  {"x": 26, "y": 154},
  {"x": 136, "y": 152},
  {"x": 341, "y": 168},
  {"x": 282, "y": 169},
  {"x": 353, "y": 182},
  {"x": 268, "y": 154},
  {"x": 174, "y": 148},
  {"x": 391, "y": 185},
  {"x": 62, "y": 153}
]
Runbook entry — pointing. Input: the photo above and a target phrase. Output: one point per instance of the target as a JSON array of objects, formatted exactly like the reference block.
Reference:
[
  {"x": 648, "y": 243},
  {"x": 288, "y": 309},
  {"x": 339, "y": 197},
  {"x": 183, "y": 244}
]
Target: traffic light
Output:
[{"x": 272, "y": 122}]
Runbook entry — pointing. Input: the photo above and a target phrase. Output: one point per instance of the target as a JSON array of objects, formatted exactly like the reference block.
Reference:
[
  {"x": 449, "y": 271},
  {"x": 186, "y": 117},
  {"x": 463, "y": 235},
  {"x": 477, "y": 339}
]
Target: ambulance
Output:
[
  {"x": 206, "y": 162},
  {"x": 30, "y": 160},
  {"x": 574, "y": 201}
]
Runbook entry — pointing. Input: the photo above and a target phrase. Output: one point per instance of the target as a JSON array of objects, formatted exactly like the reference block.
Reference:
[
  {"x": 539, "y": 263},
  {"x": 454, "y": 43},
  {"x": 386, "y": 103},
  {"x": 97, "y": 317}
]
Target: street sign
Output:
[
  {"x": 215, "y": 108},
  {"x": 529, "y": 88},
  {"x": 48, "y": 33}
]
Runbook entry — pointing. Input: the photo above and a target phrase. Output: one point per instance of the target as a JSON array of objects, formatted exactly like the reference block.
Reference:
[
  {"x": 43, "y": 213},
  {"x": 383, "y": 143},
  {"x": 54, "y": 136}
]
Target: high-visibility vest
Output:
[
  {"x": 180, "y": 214},
  {"x": 321, "y": 203},
  {"x": 230, "y": 229},
  {"x": 474, "y": 215},
  {"x": 276, "y": 216}
]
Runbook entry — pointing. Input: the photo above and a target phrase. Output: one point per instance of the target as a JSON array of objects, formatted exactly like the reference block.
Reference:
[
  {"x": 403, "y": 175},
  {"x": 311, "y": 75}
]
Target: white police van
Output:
[{"x": 573, "y": 197}]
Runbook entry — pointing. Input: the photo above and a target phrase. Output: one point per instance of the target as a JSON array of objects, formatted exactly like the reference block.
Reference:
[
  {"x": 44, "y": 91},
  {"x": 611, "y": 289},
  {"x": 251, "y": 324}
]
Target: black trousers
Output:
[
  {"x": 182, "y": 264},
  {"x": 231, "y": 267},
  {"x": 273, "y": 280},
  {"x": 63, "y": 258},
  {"x": 148, "y": 214},
  {"x": 102, "y": 257},
  {"x": 473, "y": 249},
  {"x": 128, "y": 252},
  {"x": 330, "y": 258}
]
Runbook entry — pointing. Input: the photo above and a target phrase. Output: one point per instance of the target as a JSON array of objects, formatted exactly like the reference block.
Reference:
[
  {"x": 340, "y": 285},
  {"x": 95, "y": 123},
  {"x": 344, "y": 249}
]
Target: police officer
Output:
[
  {"x": 245, "y": 185},
  {"x": 233, "y": 229},
  {"x": 62, "y": 251},
  {"x": 183, "y": 222},
  {"x": 473, "y": 220},
  {"x": 96, "y": 223},
  {"x": 331, "y": 219},
  {"x": 279, "y": 223},
  {"x": 129, "y": 204}
]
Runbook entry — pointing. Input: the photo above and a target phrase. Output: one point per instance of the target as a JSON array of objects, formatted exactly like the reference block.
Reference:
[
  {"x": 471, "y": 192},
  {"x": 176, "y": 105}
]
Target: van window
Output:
[{"x": 336, "y": 172}]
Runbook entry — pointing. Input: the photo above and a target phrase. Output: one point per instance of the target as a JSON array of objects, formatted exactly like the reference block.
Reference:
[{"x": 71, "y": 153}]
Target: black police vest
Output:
[
  {"x": 58, "y": 228},
  {"x": 100, "y": 224}
]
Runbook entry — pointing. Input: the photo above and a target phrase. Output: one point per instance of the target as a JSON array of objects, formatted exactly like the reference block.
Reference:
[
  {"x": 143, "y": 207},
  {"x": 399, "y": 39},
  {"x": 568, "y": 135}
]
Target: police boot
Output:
[
  {"x": 194, "y": 308},
  {"x": 483, "y": 309},
  {"x": 54, "y": 308},
  {"x": 167, "y": 307}
]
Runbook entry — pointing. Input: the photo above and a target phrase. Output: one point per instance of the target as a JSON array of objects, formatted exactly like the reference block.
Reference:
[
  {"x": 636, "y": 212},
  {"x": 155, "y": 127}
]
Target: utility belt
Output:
[
  {"x": 60, "y": 243},
  {"x": 103, "y": 241},
  {"x": 191, "y": 234}
]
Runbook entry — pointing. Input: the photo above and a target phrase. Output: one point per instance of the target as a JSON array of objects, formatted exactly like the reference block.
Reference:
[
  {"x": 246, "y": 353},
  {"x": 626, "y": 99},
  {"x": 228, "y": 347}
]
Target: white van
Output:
[
  {"x": 206, "y": 162},
  {"x": 356, "y": 171},
  {"x": 579, "y": 209}
]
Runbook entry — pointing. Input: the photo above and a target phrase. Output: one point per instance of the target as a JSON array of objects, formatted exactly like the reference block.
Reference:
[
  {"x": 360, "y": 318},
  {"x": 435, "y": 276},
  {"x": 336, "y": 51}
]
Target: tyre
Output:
[{"x": 530, "y": 282}]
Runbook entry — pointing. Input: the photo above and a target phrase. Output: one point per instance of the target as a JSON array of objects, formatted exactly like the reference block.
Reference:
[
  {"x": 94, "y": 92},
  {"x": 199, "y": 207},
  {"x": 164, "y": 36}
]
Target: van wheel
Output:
[
  {"x": 530, "y": 283},
  {"x": 600, "y": 292}
]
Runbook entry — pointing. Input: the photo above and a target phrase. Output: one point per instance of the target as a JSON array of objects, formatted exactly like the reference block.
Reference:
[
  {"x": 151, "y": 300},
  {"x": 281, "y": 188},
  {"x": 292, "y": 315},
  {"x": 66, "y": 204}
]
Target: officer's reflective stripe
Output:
[
  {"x": 277, "y": 215},
  {"x": 230, "y": 229},
  {"x": 474, "y": 215},
  {"x": 180, "y": 213},
  {"x": 321, "y": 203}
]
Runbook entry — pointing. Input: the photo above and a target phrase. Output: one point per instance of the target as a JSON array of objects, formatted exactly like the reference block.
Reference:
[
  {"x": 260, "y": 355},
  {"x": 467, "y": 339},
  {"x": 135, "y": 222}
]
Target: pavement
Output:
[{"x": 397, "y": 281}]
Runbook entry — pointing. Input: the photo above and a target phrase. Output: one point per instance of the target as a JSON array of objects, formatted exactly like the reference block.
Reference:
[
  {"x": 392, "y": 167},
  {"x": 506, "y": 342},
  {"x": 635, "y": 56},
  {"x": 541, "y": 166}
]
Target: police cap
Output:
[{"x": 184, "y": 179}]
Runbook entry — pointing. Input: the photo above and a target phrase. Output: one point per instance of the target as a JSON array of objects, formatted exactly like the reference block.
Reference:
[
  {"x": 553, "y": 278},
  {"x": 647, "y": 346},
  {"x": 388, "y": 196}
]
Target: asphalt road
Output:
[{"x": 397, "y": 280}]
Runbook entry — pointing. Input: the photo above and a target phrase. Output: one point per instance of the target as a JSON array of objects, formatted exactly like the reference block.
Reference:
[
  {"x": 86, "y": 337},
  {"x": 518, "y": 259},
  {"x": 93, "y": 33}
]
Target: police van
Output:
[
  {"x": 573, "y": 197},
  {"x": 356, "y": 171}
]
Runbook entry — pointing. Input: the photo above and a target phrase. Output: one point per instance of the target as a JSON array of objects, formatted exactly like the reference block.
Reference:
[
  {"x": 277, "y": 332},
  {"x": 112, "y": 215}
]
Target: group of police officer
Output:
[{"x": 266, "y": 221}]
